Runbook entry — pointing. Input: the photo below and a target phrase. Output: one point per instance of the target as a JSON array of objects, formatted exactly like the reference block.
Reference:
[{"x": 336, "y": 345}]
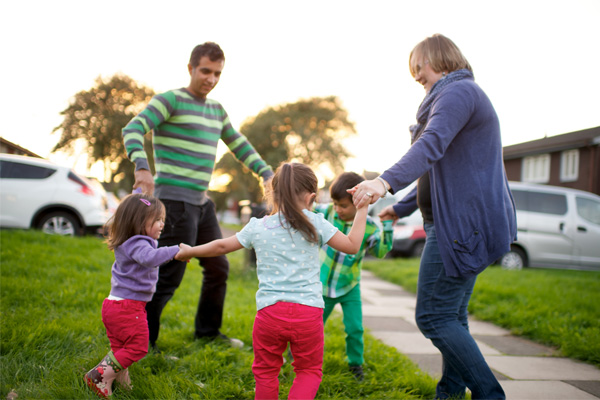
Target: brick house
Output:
[{"x": 569, "y": 160}]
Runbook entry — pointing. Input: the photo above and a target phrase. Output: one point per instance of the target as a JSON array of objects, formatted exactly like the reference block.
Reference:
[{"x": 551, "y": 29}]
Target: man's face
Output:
[
  {"x": 205, "y": 76},
  {"x": 345, "y": 209}
]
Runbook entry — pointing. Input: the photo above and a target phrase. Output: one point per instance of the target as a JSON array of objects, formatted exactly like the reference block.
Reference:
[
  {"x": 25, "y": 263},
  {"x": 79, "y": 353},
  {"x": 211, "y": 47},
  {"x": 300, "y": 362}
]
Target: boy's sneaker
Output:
[{"x": 357, "y": 371}]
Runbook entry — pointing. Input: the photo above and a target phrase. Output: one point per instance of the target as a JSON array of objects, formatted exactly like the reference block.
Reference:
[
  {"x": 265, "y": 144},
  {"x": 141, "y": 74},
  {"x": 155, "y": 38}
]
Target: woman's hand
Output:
[{"x": 366, "y": 192}]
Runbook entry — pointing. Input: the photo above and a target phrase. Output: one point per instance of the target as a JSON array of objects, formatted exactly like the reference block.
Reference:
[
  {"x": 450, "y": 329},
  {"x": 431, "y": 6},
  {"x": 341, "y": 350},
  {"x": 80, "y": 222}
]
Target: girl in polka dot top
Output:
[{"x": 289, "y": 298}]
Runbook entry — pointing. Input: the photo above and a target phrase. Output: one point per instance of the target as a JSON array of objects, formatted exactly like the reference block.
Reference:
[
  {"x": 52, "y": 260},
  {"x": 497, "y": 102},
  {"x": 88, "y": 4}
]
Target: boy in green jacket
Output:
[{"x": 340, "y": 272}]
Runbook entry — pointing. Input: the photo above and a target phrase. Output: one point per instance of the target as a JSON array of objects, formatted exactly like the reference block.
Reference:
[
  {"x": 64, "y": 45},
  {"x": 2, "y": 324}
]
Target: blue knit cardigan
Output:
[{"x": 473, "y": 209}]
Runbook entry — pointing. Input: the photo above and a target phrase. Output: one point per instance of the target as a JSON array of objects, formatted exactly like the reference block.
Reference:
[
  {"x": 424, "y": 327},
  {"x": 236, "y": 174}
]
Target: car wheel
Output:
[
  {"x": 417, "y": 249},
  {"x": 59, "y": 223},
  {"x": 514, "y": 259}
]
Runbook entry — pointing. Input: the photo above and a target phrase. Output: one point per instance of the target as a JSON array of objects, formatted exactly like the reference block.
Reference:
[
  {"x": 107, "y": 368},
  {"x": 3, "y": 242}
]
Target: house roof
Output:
[
  {"x": 13, "y": 148},
  {"x": 566, "y": 141}
]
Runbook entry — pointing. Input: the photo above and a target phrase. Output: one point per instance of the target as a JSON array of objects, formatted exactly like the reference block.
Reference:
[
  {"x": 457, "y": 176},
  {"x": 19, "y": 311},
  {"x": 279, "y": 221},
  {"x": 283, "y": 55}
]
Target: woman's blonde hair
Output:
[
  {"x": 131, "y": 218},
  {"x": 291, "y": 181},
  {"x": 441, "y": 53}
]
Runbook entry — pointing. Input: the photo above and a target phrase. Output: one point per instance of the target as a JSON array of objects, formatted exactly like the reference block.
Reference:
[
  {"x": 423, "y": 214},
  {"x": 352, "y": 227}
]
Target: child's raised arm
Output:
[
  {"x": 351, "y": 244},
  {"x": 211, "y": 249}
]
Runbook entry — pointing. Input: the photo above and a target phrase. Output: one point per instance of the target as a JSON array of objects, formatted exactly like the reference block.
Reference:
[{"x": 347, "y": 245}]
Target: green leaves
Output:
[
  {"x": 95, "y": 118},
  {"x": 308, "y": 131}
]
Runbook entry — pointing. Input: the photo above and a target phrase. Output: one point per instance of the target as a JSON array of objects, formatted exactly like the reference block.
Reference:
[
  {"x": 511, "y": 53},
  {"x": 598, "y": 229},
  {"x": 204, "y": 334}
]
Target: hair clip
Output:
[{"x": 146, "y": 202}]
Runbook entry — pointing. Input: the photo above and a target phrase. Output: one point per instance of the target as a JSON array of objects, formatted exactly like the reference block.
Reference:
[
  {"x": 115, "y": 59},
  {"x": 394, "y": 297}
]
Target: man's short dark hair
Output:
[
  {"x": 208, "y": 49},
  {"x": 345, "y": 181}
]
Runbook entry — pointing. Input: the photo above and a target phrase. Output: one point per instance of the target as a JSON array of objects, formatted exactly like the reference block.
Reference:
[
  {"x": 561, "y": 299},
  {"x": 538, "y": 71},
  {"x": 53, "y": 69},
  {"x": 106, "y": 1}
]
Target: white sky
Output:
[{"x": 538, "y": 61}]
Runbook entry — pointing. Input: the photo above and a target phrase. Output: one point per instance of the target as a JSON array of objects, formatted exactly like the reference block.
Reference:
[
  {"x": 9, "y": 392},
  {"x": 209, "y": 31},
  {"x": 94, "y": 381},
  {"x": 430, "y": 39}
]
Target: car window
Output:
[
  {"x": 15, "y": 170},
  {"x": 546, "y": 203},
  {"x": 588, "y": 209},
  {"x": 520, "y": 198}
]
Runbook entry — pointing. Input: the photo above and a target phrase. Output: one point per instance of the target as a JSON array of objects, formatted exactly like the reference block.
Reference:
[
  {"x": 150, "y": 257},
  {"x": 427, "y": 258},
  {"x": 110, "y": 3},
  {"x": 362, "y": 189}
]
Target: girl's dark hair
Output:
[
  {"x": 131, "y": 218},
  {"x": 291, "y": 181},
  {"x": 339, "y": 187}
]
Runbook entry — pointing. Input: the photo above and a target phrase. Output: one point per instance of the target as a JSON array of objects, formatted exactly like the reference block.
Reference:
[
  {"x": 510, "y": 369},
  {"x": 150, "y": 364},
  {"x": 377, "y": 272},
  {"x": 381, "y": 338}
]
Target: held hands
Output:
[
  {"x": 367, "y": 192},
  {"x": 184, "y": 253}
]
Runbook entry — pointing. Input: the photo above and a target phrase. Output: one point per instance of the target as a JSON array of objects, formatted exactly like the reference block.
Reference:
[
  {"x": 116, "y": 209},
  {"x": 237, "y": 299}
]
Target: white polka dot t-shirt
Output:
[{"x": 286, "y": 263}]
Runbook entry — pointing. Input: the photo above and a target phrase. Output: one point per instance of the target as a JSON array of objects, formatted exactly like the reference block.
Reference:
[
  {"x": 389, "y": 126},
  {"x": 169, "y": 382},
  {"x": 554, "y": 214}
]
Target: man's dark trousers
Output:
[{"x": 193, "y": 225}]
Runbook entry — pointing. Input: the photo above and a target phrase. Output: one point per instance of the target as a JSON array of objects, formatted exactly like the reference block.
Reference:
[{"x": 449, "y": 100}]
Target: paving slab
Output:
[
  {"x": 395, "y": 292},
  {"x": 413, "y": 342},
  {"x": 432, "y": 365},
  {"x": 365, "y": 300},
  {"x": 543, "y": 390},
  {"x": 369, "y": 293},
  {"x": 429, "y": 363},
  {"x": 366, "y": 288},
  {"x": 416, "y": 343},
  {"x": 513, "y": 345},
  {"x": 545, "y": 368},
  {"x": 407, "y": 342},
  {"x": 477, "y": 327},
  {"x": 487, "y": 350},
  {"x": 396, "y": 302},
  {"x": 592, "y": 387},
  {"x": 379, "y": 285},
  {"x": 389, "y": 311},
  {"x": 390, "y": 324},
  {"x": 368, "y": 275}
]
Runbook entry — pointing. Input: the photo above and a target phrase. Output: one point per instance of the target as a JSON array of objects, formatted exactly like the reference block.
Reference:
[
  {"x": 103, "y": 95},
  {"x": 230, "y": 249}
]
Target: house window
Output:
[
  {"x": 569, "y": 166},
  {"x": 536, "y": 169}
]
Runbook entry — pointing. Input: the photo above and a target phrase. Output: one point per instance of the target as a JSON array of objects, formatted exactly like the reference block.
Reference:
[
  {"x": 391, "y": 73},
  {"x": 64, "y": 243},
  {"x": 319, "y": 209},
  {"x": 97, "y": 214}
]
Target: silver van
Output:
[{"x": 557, "y": 227}]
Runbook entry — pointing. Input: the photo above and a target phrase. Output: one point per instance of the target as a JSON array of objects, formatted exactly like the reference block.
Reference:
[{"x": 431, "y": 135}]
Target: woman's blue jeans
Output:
[{"x": 441, "y": 316}]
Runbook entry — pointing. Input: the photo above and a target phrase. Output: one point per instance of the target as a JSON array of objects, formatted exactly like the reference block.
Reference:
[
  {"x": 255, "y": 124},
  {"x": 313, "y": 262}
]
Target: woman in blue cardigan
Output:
[{"x": 467, "y": 207}]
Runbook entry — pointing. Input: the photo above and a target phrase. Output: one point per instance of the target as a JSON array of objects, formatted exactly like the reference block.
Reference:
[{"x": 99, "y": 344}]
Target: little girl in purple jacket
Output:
[{"x": 133, "y": 233}]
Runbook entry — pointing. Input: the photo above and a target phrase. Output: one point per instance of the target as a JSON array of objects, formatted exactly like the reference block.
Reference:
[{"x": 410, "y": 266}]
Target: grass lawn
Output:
[
  {"x": 51, "y": 333},
  {"x": 559, "y": 308}
]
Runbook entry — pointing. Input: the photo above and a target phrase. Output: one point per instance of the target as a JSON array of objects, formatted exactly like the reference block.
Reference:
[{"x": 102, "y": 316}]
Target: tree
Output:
[
  {"x": 308, "y": 131},
  {"x": 96, "y": 118}
]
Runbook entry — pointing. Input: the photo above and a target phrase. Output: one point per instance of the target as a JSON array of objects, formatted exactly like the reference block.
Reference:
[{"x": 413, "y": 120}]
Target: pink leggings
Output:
[
  {"x": 127, "y": 329},
  {"x": 274, "y": 327}
]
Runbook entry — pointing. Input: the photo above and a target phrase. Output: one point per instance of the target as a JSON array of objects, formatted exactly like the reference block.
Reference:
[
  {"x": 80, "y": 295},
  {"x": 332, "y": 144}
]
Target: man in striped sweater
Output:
[{"x": 187, "y": 127}]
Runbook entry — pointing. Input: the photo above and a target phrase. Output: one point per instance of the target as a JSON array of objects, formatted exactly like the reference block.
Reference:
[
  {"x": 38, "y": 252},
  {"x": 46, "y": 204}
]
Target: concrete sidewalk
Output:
[{"x": 526, "y": 370}]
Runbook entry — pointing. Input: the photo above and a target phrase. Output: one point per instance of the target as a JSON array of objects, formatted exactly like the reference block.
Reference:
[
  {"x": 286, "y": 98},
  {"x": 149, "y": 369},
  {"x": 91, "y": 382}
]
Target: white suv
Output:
[
  {"x": 36, "y": 193},
  {"x": 557, "y": 227}
]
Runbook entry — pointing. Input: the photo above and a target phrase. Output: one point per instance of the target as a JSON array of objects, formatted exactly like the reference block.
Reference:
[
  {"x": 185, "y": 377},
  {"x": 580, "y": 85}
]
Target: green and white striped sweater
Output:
[{"x": 186, "y": 132}]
